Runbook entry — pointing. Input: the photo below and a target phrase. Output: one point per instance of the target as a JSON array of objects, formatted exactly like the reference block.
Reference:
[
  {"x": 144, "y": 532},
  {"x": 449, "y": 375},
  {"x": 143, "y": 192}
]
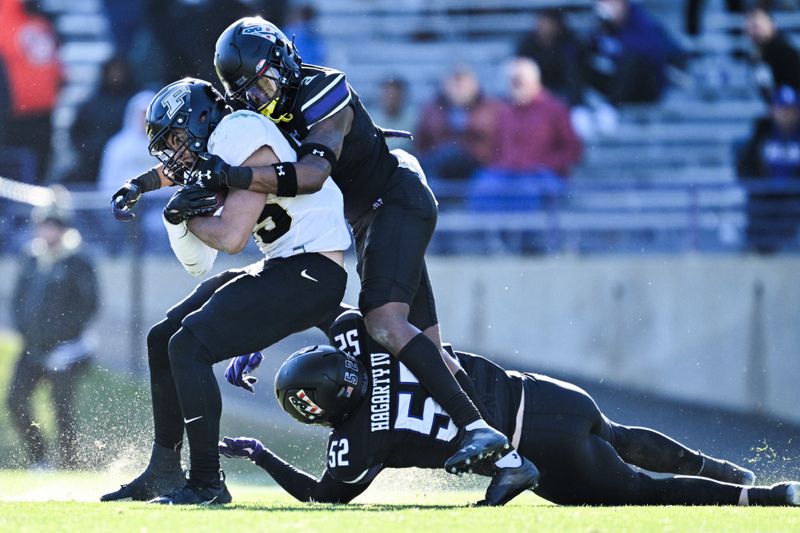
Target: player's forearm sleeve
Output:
[
  {"x": 306, "y": 487},
  {"x": 195, "y": 255}
]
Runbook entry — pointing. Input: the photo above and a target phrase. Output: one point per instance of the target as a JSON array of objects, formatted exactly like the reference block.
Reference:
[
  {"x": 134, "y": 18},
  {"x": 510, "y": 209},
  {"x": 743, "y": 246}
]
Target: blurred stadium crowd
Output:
[{"x": 544, "y": 126}]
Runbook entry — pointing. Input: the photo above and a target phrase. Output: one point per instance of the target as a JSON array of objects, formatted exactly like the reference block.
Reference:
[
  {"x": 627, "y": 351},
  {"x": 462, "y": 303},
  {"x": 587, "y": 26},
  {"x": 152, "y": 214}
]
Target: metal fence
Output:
[{"x": 586, "y": 217}]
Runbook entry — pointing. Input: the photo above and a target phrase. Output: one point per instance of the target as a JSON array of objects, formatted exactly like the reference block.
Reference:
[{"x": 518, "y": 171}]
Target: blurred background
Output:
[{"x": 619, "y": 189}]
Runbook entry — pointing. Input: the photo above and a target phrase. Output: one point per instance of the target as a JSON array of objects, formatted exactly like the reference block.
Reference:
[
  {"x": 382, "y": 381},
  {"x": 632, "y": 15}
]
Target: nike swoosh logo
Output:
[
  {"x": 191, "y": 420},
  {"x": 304, "y": 274}
]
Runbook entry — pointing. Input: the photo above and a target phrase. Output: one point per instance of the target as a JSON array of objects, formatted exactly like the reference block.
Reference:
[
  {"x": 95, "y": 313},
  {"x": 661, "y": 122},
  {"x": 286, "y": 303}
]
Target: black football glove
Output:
[
  {"x": 213, "y": 173},
  {"x": 188, "y": 202},
  {"x": 124, "y": 200}
]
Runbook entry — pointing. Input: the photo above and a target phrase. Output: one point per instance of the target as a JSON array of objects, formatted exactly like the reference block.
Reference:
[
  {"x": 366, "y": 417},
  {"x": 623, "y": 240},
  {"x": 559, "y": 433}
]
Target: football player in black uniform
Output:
[
  {"x": 298, "y": 285},
  {"x": 383, "y": 418},
  {"x": 386, "y": 200}
]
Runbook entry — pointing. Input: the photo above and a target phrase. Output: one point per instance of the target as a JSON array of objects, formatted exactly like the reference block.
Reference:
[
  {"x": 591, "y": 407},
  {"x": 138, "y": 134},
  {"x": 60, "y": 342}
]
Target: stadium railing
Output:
[{"x": 589, "y": 217}]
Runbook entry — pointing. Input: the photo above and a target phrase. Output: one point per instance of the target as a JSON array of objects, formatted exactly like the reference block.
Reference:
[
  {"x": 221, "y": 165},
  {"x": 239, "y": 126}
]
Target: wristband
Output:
[
  {"x": 319, "y": 150},
  {"x": 239, "y": 177},
  {"x": 287, "y": 179},
  {"x": 149, "y": 181}
]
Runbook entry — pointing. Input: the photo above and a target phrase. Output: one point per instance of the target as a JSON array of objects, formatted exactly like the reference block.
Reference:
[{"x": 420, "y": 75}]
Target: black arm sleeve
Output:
[{"x": 306, "y": 487}]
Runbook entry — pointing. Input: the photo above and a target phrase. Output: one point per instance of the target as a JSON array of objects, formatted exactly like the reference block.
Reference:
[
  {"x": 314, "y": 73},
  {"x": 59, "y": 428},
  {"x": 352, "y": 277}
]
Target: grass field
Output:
[
  {"x": 399, "y": 501},
  {"x": 399, "y": 504}
]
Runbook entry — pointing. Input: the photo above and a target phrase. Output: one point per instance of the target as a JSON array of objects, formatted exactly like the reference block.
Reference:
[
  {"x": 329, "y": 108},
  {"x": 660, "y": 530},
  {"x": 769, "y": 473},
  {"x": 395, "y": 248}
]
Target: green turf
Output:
[
  {"x": 407, "y": 501},
  {"x": 403, "y": 503},
  {"x": 114, "y": 422}
]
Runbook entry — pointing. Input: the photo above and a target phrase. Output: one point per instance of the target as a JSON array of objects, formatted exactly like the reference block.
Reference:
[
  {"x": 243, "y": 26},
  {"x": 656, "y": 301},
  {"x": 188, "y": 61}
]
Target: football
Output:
[{"x": 221, "y": 196}]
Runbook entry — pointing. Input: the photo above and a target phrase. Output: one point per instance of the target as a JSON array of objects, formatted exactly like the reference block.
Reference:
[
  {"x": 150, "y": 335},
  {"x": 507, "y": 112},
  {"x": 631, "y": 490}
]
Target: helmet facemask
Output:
[
  {"x": 178, "y": 149},
  {"x": 322, "y": 386},
  {"x": 270, "y": 91},
  {"x": 180, "y": 121}
]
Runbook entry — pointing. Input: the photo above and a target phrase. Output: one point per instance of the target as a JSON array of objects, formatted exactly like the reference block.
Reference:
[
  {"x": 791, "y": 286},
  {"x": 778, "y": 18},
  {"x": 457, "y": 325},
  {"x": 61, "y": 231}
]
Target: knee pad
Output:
[{"x": 184, "y": 347}]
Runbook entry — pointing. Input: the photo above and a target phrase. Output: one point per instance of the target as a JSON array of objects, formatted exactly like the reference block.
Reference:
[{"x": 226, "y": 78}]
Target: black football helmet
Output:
[
  {"x": 321, "y": 385},
  {"x": 259, "y": 67},
  {"x": 190, "y": 109}
]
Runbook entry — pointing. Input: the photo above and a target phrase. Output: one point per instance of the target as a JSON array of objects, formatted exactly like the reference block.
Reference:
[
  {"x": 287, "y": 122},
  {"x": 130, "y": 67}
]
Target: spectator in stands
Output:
[
  {"x": 301, "y": 26},
  {"x": 127, "y": 154},
  {"x": 455, "y": 135},
  {"x": 558, "y": 53},
  {"x": 187, "y": 31},
  {"x": 770, "y": 161},
  {"x": 536, "y": 146},
  {"x": 779, "y": 61},
  {"x": 629, "y": 53},
  {"x": 54, "y": 298},
  {"x": 394, "y": 112},
  {"x": 99, "y": 118},
  {"x": 134, "y": 38},
  {"x": 694, "y": 11},
  {"x": 29, "y": 58}
]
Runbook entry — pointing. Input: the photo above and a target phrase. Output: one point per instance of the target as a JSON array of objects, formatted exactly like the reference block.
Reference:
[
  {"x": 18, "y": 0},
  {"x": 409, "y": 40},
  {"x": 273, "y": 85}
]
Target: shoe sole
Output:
[
  {"x": 462, "y": 464},
  {"x": 529, "y": 485},
  {"x": 221, "y": 499}
]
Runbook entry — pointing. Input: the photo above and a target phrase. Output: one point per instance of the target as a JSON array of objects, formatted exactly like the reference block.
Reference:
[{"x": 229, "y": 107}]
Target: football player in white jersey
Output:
[{"x": 298, "y": 285}]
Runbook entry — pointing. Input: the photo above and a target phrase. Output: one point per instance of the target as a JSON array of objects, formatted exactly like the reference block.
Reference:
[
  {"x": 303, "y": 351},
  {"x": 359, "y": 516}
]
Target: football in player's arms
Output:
[
  {"x": 297, "y": 285},
  {"x": 381, "y": 417},
  {"x": 386, "y": 201}
]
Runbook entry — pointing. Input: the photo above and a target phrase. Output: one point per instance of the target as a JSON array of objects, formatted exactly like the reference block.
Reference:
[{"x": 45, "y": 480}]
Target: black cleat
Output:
[
  {"x": 193, "y": 493},
  {"x": 792, "y": 493},
  {"x": 148, "y": 485},
  {"x": 779, "y": 494},
  {"x": 787, "y": 493},
  {"x": 726, "y": 472},
  {"x": 476, "y": 446},
  {"x": 508, "y": 483}
]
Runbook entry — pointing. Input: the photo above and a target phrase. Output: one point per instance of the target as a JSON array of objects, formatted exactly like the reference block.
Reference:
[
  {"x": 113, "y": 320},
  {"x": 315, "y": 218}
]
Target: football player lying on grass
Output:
[{"x": 383, "y": 418}]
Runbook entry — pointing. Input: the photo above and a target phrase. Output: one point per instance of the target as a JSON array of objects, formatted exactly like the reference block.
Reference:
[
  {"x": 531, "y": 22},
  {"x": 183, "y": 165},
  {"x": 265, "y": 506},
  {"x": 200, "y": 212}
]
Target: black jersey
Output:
[
  {"x": 365, "y": 164},
  {"x": 399, "y": 425}
]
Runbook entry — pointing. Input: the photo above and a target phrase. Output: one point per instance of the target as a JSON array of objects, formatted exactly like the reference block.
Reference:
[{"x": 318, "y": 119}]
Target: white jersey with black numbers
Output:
[{"x": 287, "y": 226}]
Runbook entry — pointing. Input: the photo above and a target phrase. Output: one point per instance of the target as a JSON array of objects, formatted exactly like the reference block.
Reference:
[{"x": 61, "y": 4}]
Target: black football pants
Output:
[
  {"x": 236, "y": 312},
  {"x": 585, "y": 459}
]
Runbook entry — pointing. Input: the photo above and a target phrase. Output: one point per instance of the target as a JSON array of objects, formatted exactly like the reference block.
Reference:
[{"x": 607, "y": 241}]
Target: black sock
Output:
[
  {"x": 164, "y": 459},
  {"x": 469, "y": 388},
  {"x": 200, "y": 401},
  {"x": 654, "y": 451},
  {"x": 167, "y": 421},
  {"x": 424, "y": 359}
]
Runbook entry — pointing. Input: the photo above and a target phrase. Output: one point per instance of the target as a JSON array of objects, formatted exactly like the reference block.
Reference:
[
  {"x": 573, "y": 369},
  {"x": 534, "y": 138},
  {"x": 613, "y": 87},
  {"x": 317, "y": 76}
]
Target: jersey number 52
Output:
[{"x": 337, "y": 454}]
